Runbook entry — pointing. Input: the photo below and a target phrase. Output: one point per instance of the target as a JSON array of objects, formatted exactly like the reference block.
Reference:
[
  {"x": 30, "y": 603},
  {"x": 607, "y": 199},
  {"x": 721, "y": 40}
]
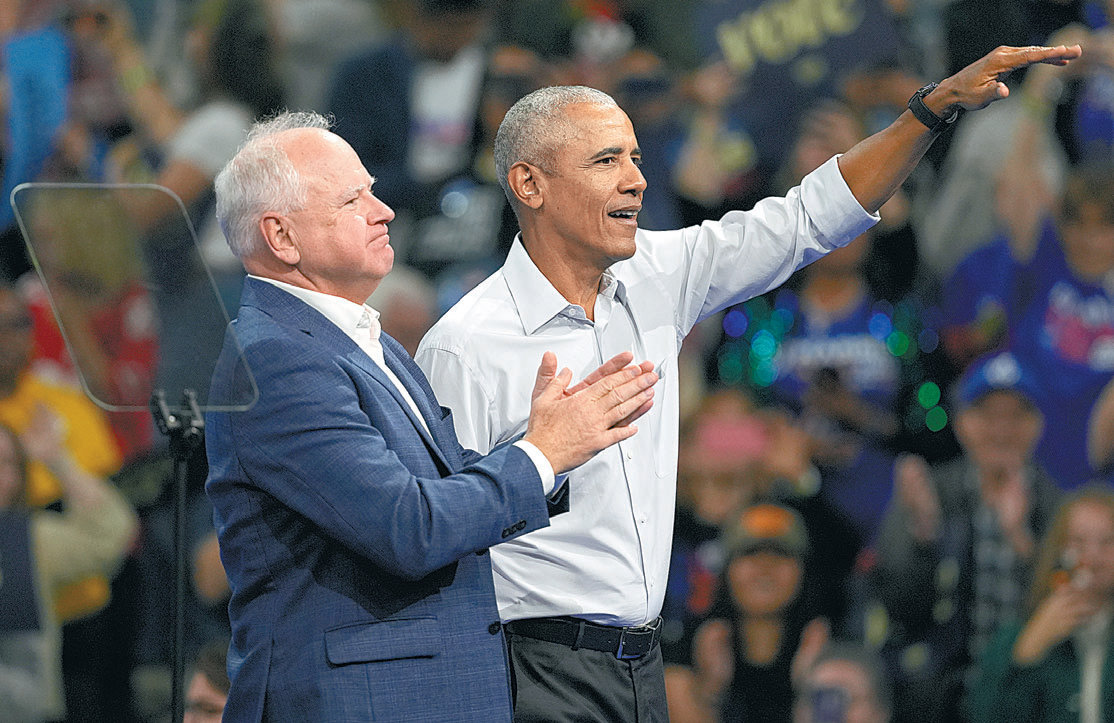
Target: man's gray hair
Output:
[
  {"x": 536, "y": 125},
  {"x": 261, "y": 178}
]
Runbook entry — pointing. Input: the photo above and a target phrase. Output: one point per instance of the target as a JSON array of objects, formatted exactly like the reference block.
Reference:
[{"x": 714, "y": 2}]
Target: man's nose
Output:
[
  {"x": 633, "y": 181},
  {"x": 379, "y": 212}
]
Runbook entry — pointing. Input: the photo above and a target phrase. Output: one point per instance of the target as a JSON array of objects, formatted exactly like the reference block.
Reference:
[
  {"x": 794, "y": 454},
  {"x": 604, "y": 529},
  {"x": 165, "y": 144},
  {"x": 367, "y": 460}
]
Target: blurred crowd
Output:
[{"x": 895, "y": 495}]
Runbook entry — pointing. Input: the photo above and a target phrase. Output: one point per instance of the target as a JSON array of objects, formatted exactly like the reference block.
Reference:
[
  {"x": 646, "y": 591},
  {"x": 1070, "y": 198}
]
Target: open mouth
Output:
[{"x": 627, "y": 215}]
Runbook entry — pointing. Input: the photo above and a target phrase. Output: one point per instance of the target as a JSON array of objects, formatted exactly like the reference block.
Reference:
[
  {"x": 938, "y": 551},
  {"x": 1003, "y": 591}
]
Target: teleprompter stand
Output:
[{"x": 185, "y": 428}]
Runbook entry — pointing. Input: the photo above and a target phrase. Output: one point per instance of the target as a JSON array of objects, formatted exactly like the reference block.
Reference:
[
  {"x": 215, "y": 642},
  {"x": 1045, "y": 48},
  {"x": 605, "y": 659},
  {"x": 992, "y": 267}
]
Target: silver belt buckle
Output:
[{"x": 621, "y": 653}]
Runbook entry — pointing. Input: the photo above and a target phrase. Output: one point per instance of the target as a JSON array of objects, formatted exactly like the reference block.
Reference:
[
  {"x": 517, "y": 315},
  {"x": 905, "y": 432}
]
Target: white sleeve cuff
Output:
[
  {"x": 830, "y": 204},
  {"x": 545, "y": 469}
]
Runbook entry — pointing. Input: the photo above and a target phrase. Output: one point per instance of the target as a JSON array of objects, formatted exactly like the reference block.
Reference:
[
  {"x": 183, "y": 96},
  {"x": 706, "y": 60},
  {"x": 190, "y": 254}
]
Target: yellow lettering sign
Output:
[{"x": 778, "y": 30}]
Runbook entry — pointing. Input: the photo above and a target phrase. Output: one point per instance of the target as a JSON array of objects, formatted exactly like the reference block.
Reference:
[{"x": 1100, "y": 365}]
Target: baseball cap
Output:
[
  {"x": 767, "y": 526},
  {"x": 996, "y": 372}
]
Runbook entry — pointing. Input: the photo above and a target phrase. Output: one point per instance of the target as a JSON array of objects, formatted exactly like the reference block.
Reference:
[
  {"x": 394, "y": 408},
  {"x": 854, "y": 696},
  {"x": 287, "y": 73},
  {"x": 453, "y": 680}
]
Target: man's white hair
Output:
[
  {"x": 536, "y": 125},
  {"x": 261, "y": 178}
]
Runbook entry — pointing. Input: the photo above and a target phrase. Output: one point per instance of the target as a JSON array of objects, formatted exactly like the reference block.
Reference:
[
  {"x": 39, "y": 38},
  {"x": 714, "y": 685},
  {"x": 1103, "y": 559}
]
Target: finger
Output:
[
  {"x": 642, "y": 368},
  {"x": 629, "y": 388},
  {"x": 614, "y": 364},
  {"x": 555, "y": 389},
  {"x": 615, "y": 435},
  {"x": 1057, "y": 55},
  {"x": 607, "y": 385},
  {"x": 635, "y": 414},
  {"x": 627, "y": 407},
  {"x": 546, "y": 371}
]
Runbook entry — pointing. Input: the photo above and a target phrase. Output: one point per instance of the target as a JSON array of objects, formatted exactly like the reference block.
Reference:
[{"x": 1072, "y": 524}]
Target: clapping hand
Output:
[{"x": 571, "y": 424}]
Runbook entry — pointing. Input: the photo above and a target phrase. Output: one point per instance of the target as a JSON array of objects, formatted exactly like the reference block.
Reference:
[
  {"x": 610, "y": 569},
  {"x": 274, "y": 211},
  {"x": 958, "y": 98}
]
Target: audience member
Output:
[
  {"x": 44, "y": 550},
  {"x": 21, "y": 699},
  {"x": 208, "y": 684},
  {"x": 231, "y": 47},
  {"x": 86, "y": 435},
  {"x": 152, "y": 606},
  {"x": 409, "y": 108},
  {"x": 471, "y": 223},
  {"x": 1100, "y": 433},
  {"x": 716, "y": 167},
  {"x": 1004, "y": 170},
  {"x": 760, "y": 634},
  {"x": 957, "y": 546},
  {"x": 95, "y": 286},
  {"x": 644, "y": 87},
  {"x": 843, "y": 378},
  {"x": 732, "y": 456},
  {"x": 314, "y": 37},
  {"x": 1093, "y": 129},
  {"x": 554, "y": 30},
  {"x": 1052, "y": 665},
  {"x": 34, "y": 80},
  {"x": 842, "y": 342},
  {"x": 846, "y": 684},
  {"x": 1049, "y": 284},
  {"x": 785, "y": 474},
  {"x": 716, "y": 449},
  {"x": 87, "y": 438}
]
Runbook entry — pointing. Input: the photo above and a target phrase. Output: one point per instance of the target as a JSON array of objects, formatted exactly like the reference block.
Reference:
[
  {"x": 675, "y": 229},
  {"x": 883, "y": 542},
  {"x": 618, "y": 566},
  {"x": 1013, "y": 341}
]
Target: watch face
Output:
[
  {"x": 925, "y": 90},
  {"x": 922, "y": 112}
]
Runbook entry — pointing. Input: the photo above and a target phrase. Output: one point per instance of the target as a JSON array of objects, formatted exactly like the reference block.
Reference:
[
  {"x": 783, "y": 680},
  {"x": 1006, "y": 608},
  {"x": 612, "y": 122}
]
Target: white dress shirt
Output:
[
  {"x": 607, "y": 559},
  {"x": 360, "y": 323}
]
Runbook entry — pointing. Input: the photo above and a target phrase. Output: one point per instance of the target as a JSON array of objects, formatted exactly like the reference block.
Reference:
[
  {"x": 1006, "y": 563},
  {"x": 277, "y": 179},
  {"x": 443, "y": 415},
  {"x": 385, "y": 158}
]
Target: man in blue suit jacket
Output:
[{"x": 352, "y": 525}]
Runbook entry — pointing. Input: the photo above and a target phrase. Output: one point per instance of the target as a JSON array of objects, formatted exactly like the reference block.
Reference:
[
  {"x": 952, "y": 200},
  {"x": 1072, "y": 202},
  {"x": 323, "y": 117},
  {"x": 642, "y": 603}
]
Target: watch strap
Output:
[{"x": 921, "y": 112}]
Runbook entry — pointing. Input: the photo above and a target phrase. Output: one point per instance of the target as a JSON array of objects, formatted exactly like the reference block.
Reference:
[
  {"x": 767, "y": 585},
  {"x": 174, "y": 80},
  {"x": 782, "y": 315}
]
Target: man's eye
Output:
[
  {"x": 608, "y": 160},
  {"x": 637, "y": 160}
]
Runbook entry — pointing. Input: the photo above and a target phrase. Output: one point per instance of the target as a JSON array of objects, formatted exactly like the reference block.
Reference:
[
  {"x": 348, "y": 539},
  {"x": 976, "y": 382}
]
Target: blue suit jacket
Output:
[{"x": 355, "y": 541}]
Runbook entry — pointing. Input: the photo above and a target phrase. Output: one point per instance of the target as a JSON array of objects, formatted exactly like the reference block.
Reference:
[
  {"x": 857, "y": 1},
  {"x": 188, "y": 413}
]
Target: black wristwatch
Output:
[{"x": 935, "y": 123}]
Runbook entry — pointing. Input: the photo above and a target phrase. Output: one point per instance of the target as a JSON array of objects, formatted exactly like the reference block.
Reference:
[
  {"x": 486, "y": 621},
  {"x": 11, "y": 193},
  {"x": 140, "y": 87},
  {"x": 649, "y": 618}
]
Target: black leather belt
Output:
[{"x": 623, "y": 643}]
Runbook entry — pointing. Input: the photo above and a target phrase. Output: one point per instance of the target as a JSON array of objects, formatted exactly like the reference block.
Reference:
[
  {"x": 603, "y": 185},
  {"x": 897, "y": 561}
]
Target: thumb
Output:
[{"x": 546, "y": 371}]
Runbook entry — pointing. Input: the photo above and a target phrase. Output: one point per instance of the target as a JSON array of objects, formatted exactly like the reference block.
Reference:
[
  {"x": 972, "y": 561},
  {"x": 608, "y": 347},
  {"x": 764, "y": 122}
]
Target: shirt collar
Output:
[
  {"x": 612, "y": 287},
  {"x": 535, "y": 298},
  {"x": 350, "y": 317}
]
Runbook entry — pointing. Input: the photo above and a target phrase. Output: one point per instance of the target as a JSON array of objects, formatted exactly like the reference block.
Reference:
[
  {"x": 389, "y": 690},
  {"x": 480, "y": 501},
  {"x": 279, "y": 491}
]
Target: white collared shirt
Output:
[
  {"x": 607, "y": 559},
  {"x": 360, "y": 323}
]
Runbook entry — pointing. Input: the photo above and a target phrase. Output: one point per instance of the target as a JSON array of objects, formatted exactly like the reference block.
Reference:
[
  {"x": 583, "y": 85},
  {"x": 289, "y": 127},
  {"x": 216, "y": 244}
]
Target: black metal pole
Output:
[{"x": 185, "y": 428}]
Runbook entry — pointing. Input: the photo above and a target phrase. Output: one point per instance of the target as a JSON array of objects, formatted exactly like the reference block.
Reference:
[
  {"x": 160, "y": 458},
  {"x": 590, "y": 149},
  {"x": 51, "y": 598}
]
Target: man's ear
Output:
[
  {"x": 276, "y": 233},
  {"x": 526, "y": 184}
]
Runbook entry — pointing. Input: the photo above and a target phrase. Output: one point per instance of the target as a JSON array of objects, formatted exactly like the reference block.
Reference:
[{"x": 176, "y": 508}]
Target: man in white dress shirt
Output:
[{"x": 581, "y": 598}]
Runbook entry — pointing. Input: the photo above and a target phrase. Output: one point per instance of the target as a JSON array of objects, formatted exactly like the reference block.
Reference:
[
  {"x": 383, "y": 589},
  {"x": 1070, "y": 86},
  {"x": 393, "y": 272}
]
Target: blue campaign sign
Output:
[{"x": 790, "y": 53}]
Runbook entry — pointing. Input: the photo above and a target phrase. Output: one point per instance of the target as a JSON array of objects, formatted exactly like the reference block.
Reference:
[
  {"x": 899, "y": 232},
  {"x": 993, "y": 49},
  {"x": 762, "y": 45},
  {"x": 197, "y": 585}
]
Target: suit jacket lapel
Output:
[
  {"x": 422, "y": 394},
  {"x": 362, "y": 360},
  {"x": 295, "y": 312}
]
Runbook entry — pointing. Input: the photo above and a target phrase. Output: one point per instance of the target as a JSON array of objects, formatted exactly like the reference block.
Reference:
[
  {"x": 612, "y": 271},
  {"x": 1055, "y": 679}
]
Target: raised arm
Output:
[{"x": 875, "y": 167}]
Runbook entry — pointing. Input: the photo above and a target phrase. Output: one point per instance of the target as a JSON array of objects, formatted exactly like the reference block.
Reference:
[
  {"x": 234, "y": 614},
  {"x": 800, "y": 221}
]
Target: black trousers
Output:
[{"x": 552, "y": 682}]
